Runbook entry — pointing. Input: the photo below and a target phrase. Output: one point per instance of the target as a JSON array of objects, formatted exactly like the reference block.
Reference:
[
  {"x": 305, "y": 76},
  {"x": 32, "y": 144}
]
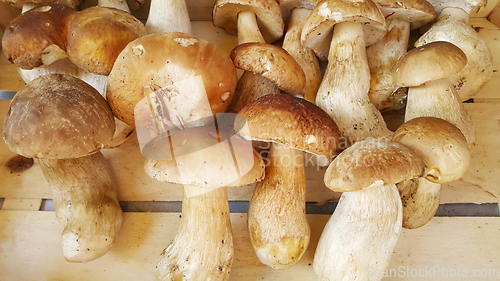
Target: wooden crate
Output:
[{"x": 30, "y": 239}]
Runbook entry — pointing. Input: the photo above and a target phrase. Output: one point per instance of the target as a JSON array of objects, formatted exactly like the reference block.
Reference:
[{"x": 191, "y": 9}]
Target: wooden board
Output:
[{"x": 31, "y": 241}]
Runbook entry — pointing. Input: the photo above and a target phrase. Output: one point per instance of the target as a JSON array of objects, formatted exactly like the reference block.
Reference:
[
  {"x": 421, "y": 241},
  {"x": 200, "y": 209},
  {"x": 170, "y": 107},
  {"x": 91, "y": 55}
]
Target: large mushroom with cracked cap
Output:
[
  {"x": 278, "y": 227},
  {"x": 64, "y": 122}
]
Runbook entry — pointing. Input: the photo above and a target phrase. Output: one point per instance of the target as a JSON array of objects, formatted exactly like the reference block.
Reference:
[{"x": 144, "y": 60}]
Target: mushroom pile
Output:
[{"x": 200, "y": 126}]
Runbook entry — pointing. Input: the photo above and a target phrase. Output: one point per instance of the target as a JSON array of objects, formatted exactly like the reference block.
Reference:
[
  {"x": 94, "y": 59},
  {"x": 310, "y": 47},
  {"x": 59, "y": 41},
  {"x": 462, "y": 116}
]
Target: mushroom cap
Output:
[
  {"x": 97, "y": 35},
  {"x": 318, "y": 29},
  {"x": 416, "y": 12},
  {"x": 287, "y": 6},
  {"x": 373, "y": 161},
  {"x": 291, "y": 121},
  {"x": 470, "y": 6},
  {"x": 429, "y": 62},
  {"x": 32, "y": 32},
  {"x": 159, "y": 60},
  {"x": 269, "y": 20},
  {"x": 75, "y": 4},
  {"x": 272, "y": 62},
  {"x": 440, "y": 144},
  {"x": 200, "y": 159},
  {"x": 58, "y": 116}
]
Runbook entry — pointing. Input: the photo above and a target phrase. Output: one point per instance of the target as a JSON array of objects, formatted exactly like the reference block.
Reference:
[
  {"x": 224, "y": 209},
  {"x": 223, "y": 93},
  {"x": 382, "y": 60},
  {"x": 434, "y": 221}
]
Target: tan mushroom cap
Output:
[
  {"x": 202, "y": 160},
  {"x": 291, "y": 121},
  {"x": 272, "y": 62},
  {"x": 31, "y": 33},
  {"x": 287, "y": 6},
  {"x": 58, "y": 116},
  {"x": 470, "y": 6},
  {"x": 373, "y": 161},
  {"x": 158, "y": 60},
  {"x": 269, "y": 20},
  {"x": 97, "y": 35},
  {"x": 440, "y": 144},
  {"x": 75, "y": 4},
  {"x": 429, "y": 62},
  {"x": 416, "y": 12},
  {"x": 318, "y": 29}
]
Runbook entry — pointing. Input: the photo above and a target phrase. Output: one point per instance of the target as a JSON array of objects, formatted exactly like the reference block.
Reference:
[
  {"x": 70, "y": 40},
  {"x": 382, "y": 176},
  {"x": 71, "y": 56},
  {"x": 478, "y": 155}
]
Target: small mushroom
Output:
[
  {"x": 278, "y": 227},
  {"x": 64, "y": 122}
]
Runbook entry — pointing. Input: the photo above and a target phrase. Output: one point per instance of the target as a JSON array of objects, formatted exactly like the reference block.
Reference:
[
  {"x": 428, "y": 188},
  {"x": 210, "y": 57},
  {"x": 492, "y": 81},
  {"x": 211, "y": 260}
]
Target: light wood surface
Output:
[{"x": 30, "y": 249}]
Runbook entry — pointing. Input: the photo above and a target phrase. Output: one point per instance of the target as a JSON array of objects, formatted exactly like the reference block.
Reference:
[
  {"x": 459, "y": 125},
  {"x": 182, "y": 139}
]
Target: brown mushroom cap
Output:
[
  {"x": 272, "y": 62},
  {"x": 440, "y": 144},
  {"x": 58, "y": 116},
  {"x": 318, "y": 29},
  {"x": 97, "y": 35},
  {"x": 159, "y": 60},
  {"x": 416, "y": 12},
  {"x": 373, "y": 161},
  {"x": 429, "y": 62},
  {"x": 225, "y": 15},
  {"x": 204, "y": 161},
  {"x": 75, "y": 4},
  {"x": 31, "y": 33},
  {"x": 291, "y": 121}
]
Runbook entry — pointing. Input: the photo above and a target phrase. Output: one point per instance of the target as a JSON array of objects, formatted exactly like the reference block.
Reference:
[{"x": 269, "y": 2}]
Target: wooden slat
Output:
[
  {"x": 485, "y": 11},
  {"x": 9, "y": 78},
  {"x": 22, "y": 204},
  {"x": 30, "y": 248},
  {"x": 494, "y": 15},
  {"x": 479, "y": 185}
]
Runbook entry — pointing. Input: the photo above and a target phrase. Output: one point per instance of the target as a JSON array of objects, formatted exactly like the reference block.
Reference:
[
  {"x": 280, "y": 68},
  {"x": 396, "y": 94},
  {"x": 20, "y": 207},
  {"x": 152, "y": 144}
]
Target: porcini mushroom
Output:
[
  {"x": 453, "y": 26},
  {"x": 202, "y": 158},
  {"x": 343, "y": 92},
  {"x": 168, "y": 16},
  {"x": 365, "y": 227},
  {"x": 278, "y": 227},
  {"x": 446, "y": 154},
  {"x": 64, "y": 122},
  {"x": 400, "y": 16}
]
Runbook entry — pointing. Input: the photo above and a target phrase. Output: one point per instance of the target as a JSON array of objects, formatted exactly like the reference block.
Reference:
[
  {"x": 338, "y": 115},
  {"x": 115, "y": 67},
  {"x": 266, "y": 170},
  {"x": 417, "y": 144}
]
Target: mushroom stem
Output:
[
  {"x": 343, "y": 92},
  {"x": 305, "y": 57},
  {"x": 420, "y": 199},
  {"x": 168, "y": 16},
  {"x": 360, "y": 235},
  {"x": 118, "y": 4},
  {"x": 203, "y": 246},
  {"x": 279, "y": 231},
  {"x": 248, "y": 30},
  {"x": 86, "y": 202},
  {"x": 382, "y": 57},
  {"x": 438, "y": 98}
]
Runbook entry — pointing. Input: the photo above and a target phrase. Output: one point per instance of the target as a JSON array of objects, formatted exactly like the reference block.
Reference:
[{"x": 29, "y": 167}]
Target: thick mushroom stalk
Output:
[
  {"x": 203, "y": 246},
  {"x": 420, "y": 199},
  {"x": 453, "y": 26},
  {"x": 168, "y": 16},
  {"x": 343, "y": 92},
  {"x": 85, "y": 201},
  {"x": 278, "y": 228}
]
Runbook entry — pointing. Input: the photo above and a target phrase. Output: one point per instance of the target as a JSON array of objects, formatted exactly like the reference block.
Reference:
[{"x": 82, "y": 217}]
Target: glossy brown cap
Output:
[
  {"x": 373, "y": 161},
  {"x": 30, "y": 34},
  {"x": 58, "y": 116},
  {"x": 225, "y": 16},
  {"x": 158, "y": 60},
  {"x": 440, "y": 144},
  {"x": 291, "y": 121},
  {"x": 97, "y": 35},
  {"x": 429, "y": 62},
  {"x": 272, "y": 62}
]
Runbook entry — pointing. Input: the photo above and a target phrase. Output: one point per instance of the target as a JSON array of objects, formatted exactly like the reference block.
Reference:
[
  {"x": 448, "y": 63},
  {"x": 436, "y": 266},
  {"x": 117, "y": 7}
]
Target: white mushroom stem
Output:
[
  {"x": 382, "y": 57},
  {"x": 277, "y": 221},
  {"x": 86, "y": 203},
  {"x": 118, "y": 4},
  {"x": 360, "y": 236},
  {"x": 168, "y": 16},
  {"x": 343, "y": 92},
  {"x": 305, "y": 57},
  {"x": 248, "y": 30},
  {"x": 420, "y": 199},
  {"x": 453, "y": 26},
  {"x": 203, "y": 247},
  {"x": 439, "y": 99}
]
